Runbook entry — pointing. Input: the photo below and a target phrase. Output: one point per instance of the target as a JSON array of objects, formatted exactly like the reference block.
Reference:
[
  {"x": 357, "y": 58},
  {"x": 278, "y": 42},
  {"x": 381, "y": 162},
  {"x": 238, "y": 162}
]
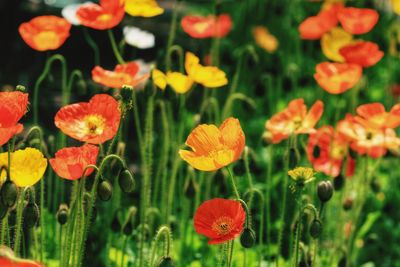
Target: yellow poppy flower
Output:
[
  {"x": 302, "y": 175},
  {"x": 27, "y": 166},
  {"x": 332, "y": 41},
  {"x": 265, "y": 39},
  {"x": 179, "y": 82},
  {"x": 159, "y": 79},
  {"x": 396, "y": 6},
  {"x": 143, "y": 8}
]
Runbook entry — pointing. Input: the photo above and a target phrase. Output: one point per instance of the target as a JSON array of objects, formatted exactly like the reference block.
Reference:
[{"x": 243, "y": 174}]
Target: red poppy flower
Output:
[
  {"x": 8, "y": 259},
  {"x": 107, "y": 15},
  {"x": 333, "y": 151},
  {"x": 207, "y": 27},
  {"x": 336, "y": 78},
  {"x": 365, "y": 54},
  {"x": 357, "y": 20},
  {"x": 294, "y": 120},
  {"x": 219, "y": 219},
  {"x": 374, "y": 115},
  {"x": 123, "y": 74},
  {"x": 45, "y": 32},
  {"x": 94, "y": 122},
  {"x": 13, "y": 106},
  {"x": 70, "y": 162}
]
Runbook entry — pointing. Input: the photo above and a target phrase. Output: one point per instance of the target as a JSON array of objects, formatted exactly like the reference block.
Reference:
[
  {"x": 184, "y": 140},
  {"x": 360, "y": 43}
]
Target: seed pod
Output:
[
  {"x": 165, "y": 261},
  {"x": 126, "y": 181},
  {"x": 293, "y": 158},
  {"x": 9, "y": 193},
  {"x": 315, "y": 228},
  {"x": 248, "y": 238},
  {"x": 31, "y": 215},
  {"x": 104, "y": 189},
  {"x": 62, "y": 214},
  {"x": 325, "y": 190},
  {"x": 338, "y": 182},
  {"x": 316, "y": 152},
  {"x": 3, "y": 210}
]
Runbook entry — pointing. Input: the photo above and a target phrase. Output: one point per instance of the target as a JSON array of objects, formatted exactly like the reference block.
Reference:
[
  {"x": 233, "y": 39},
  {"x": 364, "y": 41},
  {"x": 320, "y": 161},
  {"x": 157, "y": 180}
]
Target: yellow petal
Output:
[
  {"x": 191, "y": 63},
  {"x": 202, "y": 163},
  {"x": 211, "y": 77},
  {"x": 332, "y": 41},
  {"x": 159, "y": 79},
  {"x": 143, "y": 8},
  {"x": 179, "y": 82},
  {"x": 396, "y": 6}
]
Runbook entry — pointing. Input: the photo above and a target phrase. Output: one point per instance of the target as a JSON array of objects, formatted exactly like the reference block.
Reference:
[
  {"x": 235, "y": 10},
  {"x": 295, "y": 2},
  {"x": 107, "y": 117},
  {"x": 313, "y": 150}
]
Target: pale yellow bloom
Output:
[
  {"x": 302, "y": 175},
  {"x": 27, "y": 166},
  {"x": 332, "y": 41},
  {"x": 143, "y": 8},
  {"x": 265, "y": 39}
]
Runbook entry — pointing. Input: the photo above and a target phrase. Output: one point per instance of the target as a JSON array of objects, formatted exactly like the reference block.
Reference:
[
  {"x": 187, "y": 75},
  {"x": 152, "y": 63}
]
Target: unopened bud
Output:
[
  {"x": 325, "y": 190},
  {"x": 315, "y": 228},
  {"x": 104, "y": 189},
  {"x": 126, "y": 181},
  {"x": 248, "y": 238},
  {"x": 338, "y": 182},
  {"x": 62, "y": 214},
  {"x": 31, "y": 215},
  {"x": 165, "y": 261},
  {"x": 9, "y": 193}
]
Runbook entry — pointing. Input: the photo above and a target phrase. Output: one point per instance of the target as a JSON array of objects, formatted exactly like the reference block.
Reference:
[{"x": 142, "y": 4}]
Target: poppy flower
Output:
[
  {"x": 93, "y": 122},
  {"x": 70, "y": 162},
  {"x": 396, "y": 6},
  {"x": 13, "y": 106},
  {"x": 332, "y": 41},
  {"x": 8, "y": 259},
  {"x": 159, "y": 78},
  {"x": 69, "y": 13},
  {"x": 365, "y": 54},
  {"x": 294, "y": 120},
  {"x": 265, "y": 39},
  {"x": 123, "y": 74},
  {"x": 336, "y": 78},
  {"x": 138, "y": 38},
  {"x": 27, "y": 166},
  {"x": 143, "y": 8},
  {"x": 219, "y": 219},
  {"x": 45, "y": 33},
  {"x": 374, "y": 115},
  {"x": 207, "y": 27},
  {"x": 357, "y": 20},
  {"x": 302, "y": 175},
  {"x": 212, "y": 147},
  {"x": 179, "y": 82},
  {"x": 333, "y": 152},
  {"x": 105, "y": 16}
]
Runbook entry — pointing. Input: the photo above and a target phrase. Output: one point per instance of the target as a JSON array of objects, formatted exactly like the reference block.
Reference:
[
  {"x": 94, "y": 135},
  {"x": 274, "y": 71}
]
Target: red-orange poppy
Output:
[
  {"x": 333, "y": 151},
  {"x": 374, "y": 115},
  {"x": 45, "y": 33},
  {"x": 8, "y": 259},
  {"x": 336, "y": 78},
  {"x": 107, "y": 15},
  {"x": 94, "y": 122},
  {"x": 365, "y": 54},
  {"x": 219, "y": 219},
  {"x": 123, "y": 74},
  {"x": 207, "y": 27},
  {"x": 294, "y": 120},
  {"x": 70, "y": 162},
  {"x": 357, "y": 20},
  {"x": 13, "y": 106},
  {"x": 212, "y": 147}
]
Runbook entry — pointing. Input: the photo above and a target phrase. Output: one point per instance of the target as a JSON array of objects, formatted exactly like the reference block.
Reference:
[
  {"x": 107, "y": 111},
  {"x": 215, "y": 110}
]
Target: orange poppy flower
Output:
[
  {"x": 265, "y": 39},
  {"x": 123, "y": 74},
  {"x": 105, "y": 16},
  {"x": 8, "y": 259},
  {"x": 333, "y": 151},
  {"x": 336, "y": 78},
  {"x": 375, "y": 116},
  {"x": 212, "y": 147},
  {"x": 70, "y": 162},
  {"x": 13, "y": 106},
  {"x": 357, "y": 20},
  {"x": 207, "y": 27},
  {"x": 294, "y": 120},
  {"x": 365, "y": 54},
  {"x": 94, "y": 122},
  {"x": 219, "y": 219},
  {"x": 45, "y": 33}
]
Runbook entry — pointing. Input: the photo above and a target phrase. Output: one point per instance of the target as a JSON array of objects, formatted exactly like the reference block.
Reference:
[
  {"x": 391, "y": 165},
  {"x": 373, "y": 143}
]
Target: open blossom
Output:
[
  {"x": 143, "y": 8},
  {"x": 207, "y": 27},
  {"x": 220, "y": 220},
  {"x": 213, "y": 148},
  {"x": 357, "y": 20},
  {"x": 294, "y": 120},
  {"x": 45, "y": 33},
  {"x": 69, "y": 13},
  {"x": 333, "y": 41},
  {"x": 94, "y": 122},
  {"x": 138, "y": 38},
  {"x": 365, "y": 54},
  {"x": 302, "y": 175},
  {"x": 374, "y": 115},
  {"x": 105, "y": 15}
]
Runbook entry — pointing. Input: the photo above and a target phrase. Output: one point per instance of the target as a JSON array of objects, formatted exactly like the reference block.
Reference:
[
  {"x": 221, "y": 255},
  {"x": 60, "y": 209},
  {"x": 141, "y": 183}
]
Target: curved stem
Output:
[
  {"x": 227, "y": 110},
  {"x": 179, "y": 50},
  {"x": 114, "y": 47},
  {"x": 162, "y": 231}
]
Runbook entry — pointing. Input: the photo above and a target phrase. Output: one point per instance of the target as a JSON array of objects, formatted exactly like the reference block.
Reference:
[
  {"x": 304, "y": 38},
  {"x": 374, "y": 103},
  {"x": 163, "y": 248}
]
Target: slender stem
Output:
[
  {"x": 18, "y": 231},
  {"x": 298, "y": 228},
  {"x": 162, "y": 231},
  {"x": 232, "y": 179},
  {"x": 171, "y": 36},
  {"x": 114, "y": 47}
]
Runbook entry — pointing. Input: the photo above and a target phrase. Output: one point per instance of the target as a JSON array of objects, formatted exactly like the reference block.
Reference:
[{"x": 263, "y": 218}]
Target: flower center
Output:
[
  {"x": 223, "y": 225},
  {"x": 201, "y": 26},
  {"x": 104, "y": 17},
  {"x": 94, "y": 124},
  {"x": 46, "y": 40}
]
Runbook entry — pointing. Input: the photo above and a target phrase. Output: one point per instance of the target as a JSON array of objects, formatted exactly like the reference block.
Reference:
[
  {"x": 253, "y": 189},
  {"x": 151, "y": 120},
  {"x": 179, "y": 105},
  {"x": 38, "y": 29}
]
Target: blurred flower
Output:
[
  {"x": 357, "y": 20},
  {"x": 219, "y": 219},
  {"x": 69, "y": 12},
  {"x": 207, "y": 27},
  {"x": 374, "y": 115},
  {"x": 265, "y": 39},
  {"x": 159, "y": 79},
  {"x": 27, "y": 166},
  {"x": 333, "y": 150},
  {"x": 123, "y": 74},
  {"x": 179, "y": 82},
  {"x": 294, "y": 120},
  {"x": 93, "y": 122},
  {"x": 212, "y": 147},
  {"x": 336, "y": 78},
  {"x": 396, "y": 6},
  {"x": 332, "y": 41},
  {"x": 365, "y": 54},
  {"x": 138, "y": 38},
  {"x": 13, "y": 106},
  {"x": 302, "y": 175},
  {"x": 107, "y": 15},
  {"x": 8, "y": 259},
  {"x": 143, "y": 8},
  {"x": 45, "y": 33},
  {"x": 70, "y": 162}
]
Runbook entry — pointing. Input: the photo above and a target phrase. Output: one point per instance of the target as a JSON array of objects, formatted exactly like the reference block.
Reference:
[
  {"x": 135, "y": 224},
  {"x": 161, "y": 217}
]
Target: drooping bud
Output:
[
  {"x": 9, "y": 193},
  {"x": 165, "y": 261},
  {"x": 325, "y": 191},
  {"x": 62, "y": 214},
  {"x": 315, "y": 228},
  {"x": 316, "y": 152},
  {"x": 104, "y": 189},
  {"x": 248, "y": 238},
  {"x": 31, "y": 215},
  {"x": 127, "y": 228},
  {"x": 126, "y": 181}
]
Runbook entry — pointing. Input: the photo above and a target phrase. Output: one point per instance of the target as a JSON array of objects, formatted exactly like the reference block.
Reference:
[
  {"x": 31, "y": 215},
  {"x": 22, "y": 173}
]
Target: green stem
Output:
[
  {"x": 162, "y": 231},
  {"x": 114, "y": 47},
  {"x": 232, "y": 179},
  {"x": 18, "y": 231},
  {"x": 298, "y": 228},
  {"x": 171, "y": 35}
]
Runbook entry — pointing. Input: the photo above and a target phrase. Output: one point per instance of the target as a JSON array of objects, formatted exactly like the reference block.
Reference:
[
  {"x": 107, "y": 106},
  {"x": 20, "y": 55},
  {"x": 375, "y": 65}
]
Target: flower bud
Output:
[
  {"x": 104, "y": 189},
  {"x": 62, "y": 214},
  {"x": 9, "y": 193},
  {"x": 165, "y": 261},
  {"x": 127, "y": 228},
  {"x": 325, "y": 191},
  {"x": 338, "y": 182},
  {"x": 20, "y": 88},
  {"x": 126, "y": 181},
  {"x": 316, "y": 152},
  {"x": 31, "y": 215},
  {"x": 248, "y": 238},
  {"x": 267, "y": 138},
  {"x": 315, "y": 228}
]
